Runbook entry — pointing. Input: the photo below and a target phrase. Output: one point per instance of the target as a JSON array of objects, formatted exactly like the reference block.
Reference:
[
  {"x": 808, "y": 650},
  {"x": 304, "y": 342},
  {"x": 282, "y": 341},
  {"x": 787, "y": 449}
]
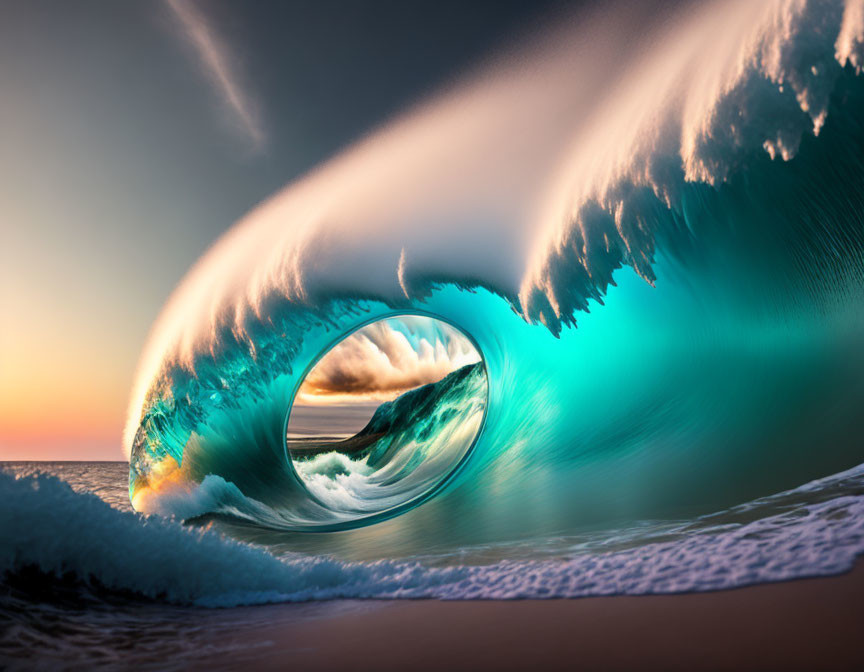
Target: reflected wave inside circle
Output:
[{"x": 386, "y": 415}]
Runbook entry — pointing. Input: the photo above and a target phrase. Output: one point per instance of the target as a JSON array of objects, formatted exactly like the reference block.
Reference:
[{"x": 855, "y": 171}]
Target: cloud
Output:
[
  {"x": 386, "y": 358},
  {"x": 217, "y": 60}
]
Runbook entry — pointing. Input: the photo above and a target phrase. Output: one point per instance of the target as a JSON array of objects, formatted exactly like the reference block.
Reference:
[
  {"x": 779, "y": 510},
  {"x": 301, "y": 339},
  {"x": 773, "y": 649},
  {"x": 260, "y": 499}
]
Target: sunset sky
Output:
[{"x": 133, "y": 134}]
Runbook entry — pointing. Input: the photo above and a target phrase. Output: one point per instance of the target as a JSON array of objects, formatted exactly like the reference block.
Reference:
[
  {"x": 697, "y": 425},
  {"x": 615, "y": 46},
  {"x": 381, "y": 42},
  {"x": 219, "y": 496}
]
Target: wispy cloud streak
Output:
[{"x": 216, "y": 59}]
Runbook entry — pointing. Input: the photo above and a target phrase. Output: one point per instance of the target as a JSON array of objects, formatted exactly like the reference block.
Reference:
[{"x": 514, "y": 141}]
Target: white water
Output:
[{"x": 817, "y": 529}]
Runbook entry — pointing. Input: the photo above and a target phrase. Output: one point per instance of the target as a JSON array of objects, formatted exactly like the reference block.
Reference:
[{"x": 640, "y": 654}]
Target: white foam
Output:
[{"x": 44, "y": 523}]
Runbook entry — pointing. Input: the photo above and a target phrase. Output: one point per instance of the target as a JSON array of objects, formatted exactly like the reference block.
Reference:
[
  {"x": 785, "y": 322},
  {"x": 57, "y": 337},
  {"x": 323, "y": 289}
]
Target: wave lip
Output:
[
  {"x": 734, "y": 83},
  {"x": 710, "y": 91}
]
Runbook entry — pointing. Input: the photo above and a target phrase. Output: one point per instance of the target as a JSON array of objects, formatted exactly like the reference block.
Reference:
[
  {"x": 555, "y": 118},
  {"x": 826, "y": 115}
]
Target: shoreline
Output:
[{"x": 800, "y": 624}]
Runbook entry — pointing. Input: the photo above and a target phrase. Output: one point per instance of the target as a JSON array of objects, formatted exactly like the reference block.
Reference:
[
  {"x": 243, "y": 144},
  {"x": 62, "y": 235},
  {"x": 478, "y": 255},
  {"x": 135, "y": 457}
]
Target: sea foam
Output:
[{"x": 817, "y": 529}]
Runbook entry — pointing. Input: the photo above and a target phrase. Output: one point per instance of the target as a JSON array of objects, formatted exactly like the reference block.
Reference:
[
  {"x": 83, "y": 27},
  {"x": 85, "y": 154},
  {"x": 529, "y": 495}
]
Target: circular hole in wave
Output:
[{"x": 385, "y": 416}]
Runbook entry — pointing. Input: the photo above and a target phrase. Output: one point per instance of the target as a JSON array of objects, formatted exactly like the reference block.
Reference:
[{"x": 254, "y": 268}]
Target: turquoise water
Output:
[{"x": 736, "y": 374}]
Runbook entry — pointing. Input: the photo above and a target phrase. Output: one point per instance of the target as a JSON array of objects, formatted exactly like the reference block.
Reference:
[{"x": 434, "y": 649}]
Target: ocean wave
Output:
[
  {"x": 716, "y": 153},
  {"x": 48, "y": 528},
  {"x": 711, "y": 90}
]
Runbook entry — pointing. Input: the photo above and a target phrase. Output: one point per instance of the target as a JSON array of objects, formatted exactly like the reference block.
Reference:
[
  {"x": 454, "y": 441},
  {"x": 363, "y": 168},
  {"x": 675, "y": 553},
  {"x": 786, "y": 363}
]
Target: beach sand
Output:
[{"x": 807, "y": 624}]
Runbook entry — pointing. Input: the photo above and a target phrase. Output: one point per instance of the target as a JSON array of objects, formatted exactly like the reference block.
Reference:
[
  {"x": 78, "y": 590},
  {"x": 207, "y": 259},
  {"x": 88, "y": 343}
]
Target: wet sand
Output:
[{"x": 807, "y": 624}]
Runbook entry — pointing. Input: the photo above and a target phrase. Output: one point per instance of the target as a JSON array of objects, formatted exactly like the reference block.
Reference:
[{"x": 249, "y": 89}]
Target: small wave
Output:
[{"x": 47, "y": 527}]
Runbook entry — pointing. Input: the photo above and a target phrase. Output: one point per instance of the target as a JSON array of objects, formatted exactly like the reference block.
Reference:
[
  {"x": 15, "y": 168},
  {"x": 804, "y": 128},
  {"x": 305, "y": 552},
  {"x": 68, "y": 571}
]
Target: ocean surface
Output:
[{"x": 87, "y": 582}]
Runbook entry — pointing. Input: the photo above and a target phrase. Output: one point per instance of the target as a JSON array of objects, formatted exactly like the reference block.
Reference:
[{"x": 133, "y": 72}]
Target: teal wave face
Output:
[{"x": 738, "y": 374}]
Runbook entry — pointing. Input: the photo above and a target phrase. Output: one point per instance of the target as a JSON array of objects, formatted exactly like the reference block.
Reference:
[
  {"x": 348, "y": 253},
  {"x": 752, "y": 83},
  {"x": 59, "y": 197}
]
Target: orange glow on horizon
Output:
[{"x": 57, "y": 404}]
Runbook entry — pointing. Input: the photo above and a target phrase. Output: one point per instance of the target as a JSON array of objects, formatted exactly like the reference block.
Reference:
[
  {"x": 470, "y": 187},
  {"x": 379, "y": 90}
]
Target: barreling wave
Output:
[{"x": 716, "y": 153}]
